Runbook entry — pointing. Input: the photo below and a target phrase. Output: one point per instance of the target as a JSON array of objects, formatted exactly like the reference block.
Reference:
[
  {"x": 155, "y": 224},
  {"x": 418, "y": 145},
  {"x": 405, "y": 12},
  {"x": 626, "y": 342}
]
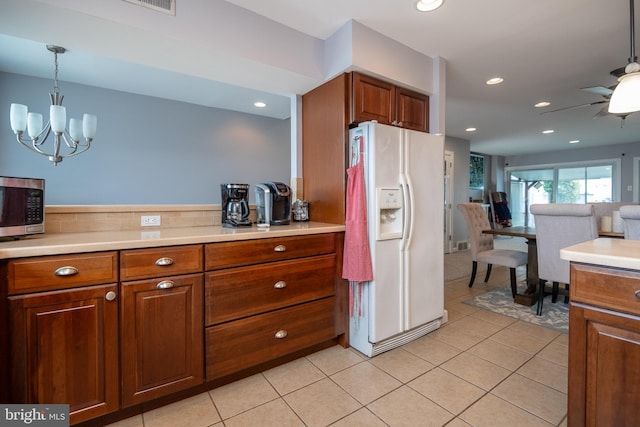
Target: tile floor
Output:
[{"x": 479, "y": 369}]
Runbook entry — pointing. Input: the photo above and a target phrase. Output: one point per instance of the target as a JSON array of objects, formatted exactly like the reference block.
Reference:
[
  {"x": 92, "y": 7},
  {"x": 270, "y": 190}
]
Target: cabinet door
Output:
[
  {"x": 412, "y": 110},
  {"x": 604, "y": 379},
  {"x": 65, "y": 350},
  {"x": 162, "y": 337},
  {"x": 373, "y": 99}
]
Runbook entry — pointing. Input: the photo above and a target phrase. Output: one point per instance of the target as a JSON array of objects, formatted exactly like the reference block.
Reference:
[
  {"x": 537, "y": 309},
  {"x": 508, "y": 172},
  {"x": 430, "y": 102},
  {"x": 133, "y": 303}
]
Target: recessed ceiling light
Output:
[
  {"x": 259, "y": 104},
  {"x": 548, "y": 131},
  {"x": 574, "y": 141},
  {"x": 542, "y": 104},
  {"x": 428, "y": 5},
  {"x": 470, "y": 129},
  {"x": 495, "y": 80}
]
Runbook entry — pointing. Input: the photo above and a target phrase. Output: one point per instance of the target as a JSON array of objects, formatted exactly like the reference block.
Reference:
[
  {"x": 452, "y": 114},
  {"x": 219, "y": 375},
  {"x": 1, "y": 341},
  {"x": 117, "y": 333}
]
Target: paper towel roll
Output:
[
  {"x": 605, "y": 223},
  {"x": 616, "y": 222}
]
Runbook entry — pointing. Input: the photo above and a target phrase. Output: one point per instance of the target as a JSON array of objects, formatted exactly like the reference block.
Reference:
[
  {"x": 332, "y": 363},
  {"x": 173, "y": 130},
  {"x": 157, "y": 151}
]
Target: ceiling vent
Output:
[{"x": 164, "y": 6}]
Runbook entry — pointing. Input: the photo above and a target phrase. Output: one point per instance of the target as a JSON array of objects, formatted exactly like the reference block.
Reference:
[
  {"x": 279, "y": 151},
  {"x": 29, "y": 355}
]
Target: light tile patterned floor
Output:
[{"x": 480, "y": 369}]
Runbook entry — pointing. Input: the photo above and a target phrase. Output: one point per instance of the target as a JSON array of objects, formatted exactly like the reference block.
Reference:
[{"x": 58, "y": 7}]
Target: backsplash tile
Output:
[{"x": 73, "y": 219}]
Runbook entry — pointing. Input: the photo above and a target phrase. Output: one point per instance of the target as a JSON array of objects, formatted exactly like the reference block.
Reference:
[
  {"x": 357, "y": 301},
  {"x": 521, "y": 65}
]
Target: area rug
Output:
[{"x": 554, "y": 316}]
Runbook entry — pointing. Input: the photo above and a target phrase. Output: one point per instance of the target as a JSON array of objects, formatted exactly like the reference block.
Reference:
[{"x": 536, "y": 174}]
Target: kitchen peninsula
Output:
[
  {"x": 604, "y": 333},
  {"x": 117, "y": 322}
]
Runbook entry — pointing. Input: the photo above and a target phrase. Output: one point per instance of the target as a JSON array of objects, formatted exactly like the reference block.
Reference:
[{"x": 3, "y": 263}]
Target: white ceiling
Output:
[{"x": 544, "y": 49}]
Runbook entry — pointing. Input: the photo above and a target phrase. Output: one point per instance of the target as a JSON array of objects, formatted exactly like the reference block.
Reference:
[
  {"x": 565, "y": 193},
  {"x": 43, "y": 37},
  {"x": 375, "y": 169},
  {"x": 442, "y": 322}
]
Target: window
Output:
[
  {"x": 587, "y": 182},
  {"x": 476, "y": 171}
]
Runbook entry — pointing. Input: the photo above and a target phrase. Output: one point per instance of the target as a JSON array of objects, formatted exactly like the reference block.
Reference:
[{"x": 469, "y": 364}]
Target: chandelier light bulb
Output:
[
  {"x": 18, "y": 116},
  {"x": 34, "y": 124}
]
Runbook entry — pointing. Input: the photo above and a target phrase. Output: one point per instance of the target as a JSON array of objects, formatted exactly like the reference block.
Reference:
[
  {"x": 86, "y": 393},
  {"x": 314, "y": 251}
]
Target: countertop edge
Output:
[
  {"x": 610, "y": 252},
  {"x": 73, "y": 243}
]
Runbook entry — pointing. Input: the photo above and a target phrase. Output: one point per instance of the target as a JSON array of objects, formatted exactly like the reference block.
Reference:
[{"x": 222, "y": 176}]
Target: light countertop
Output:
[
  {"x": 609, "y": 252},
  {"x": 67, "y": 243}
]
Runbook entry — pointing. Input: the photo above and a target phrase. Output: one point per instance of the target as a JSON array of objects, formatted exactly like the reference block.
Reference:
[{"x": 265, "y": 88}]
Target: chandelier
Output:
[{"x": 66, "y": 143}]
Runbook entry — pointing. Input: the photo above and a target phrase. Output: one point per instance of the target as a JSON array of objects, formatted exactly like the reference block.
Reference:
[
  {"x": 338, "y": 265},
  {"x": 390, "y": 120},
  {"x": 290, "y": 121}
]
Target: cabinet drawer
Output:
[
  {"x": 234, "y": 346},
  {"x": 28, "y": 275},
  {"x": 247, "y": 252},
  {"x": 239, "y": 292},
  {"x": 167, "y": 261},
  {"x": 610, "y": 288}
]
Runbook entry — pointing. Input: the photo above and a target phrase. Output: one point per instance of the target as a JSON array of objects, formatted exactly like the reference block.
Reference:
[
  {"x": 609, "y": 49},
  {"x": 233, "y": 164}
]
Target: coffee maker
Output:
[
  {"x": 235, "y": 205},
  {"x": 273, "y": 203}
]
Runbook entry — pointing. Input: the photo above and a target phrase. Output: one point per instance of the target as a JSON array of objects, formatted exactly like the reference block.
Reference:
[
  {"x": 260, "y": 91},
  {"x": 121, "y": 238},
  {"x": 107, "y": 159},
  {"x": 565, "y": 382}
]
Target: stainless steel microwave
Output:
[{"x": 21, "y": 206}]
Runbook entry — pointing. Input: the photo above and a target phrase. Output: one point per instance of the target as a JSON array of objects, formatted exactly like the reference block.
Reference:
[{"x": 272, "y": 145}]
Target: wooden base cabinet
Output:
[
  {"x": 65, "y": 350},
  {"x": 64, "y": 333},
  {"x": 162, "y": 337},
  {"x": 161, "y": 321},
  {"x": 277, "y": 297},
  {"x": 114, "y": 333},
  {"x": 604, "y": 347}
]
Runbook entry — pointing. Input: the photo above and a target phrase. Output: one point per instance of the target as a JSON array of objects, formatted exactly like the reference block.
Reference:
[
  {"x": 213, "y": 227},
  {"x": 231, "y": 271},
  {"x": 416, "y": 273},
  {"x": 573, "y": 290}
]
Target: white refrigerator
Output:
[{"x": 404, "y": 181}]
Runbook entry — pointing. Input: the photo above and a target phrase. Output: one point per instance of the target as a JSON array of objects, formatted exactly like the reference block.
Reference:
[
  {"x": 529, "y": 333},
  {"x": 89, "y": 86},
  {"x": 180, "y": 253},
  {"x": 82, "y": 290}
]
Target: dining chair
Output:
[
  {"x": 630, "y": 215},
  {"x": 482, "y": 249},
  {"x": 500, "y": 213},
  {"x": 559, "y": 225}
]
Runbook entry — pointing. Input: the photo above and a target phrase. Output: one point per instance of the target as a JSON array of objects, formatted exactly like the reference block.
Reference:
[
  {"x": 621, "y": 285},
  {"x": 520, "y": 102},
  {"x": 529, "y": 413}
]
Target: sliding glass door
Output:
[{"x": 574, "y": 183}]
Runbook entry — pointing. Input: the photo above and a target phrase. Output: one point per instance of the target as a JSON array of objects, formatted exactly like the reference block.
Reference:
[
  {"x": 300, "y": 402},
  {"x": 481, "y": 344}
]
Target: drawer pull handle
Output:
[
  {"x": 280, "y": 284},
  {"x": 282, "y": 333},
  {"x": 66, "y": 271},
  {"x": 637, "y": 294},
  {"x": 280, "y": 248},
  {"x": 165, "y": 284},
  {"x": 110, "y": 296},
  {"x": 161, "y": 262}
]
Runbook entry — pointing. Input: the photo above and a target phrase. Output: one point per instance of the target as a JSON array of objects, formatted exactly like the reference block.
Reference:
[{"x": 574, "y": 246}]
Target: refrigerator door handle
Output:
[{"x": 407, "y": 210}]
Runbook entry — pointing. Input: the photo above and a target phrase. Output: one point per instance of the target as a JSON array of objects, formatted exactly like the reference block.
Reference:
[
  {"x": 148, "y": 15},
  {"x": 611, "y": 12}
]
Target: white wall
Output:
[{"x": 147, "y": 150}]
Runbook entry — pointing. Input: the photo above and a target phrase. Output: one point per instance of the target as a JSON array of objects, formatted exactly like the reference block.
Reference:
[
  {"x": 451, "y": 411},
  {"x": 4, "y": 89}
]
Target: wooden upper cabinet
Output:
[
  {"x": 375, "y": 99},
  {"x": 412, "y": 110}
]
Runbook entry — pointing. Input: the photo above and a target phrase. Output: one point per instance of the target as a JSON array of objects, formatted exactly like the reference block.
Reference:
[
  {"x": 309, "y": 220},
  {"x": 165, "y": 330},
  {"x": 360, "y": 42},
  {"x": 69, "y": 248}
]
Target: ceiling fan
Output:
[{"x": 606, "y": 92}]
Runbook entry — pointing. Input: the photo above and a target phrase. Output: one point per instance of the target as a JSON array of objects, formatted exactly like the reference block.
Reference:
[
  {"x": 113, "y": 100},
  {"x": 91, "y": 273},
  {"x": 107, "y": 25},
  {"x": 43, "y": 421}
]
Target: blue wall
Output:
[{"x": 147, "y": 150}]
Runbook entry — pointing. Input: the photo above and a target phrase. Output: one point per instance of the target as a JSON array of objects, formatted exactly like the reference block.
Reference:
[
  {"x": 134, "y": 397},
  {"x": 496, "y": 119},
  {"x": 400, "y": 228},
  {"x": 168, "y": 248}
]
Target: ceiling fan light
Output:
[
  {"x": 428, "y": 5},
  {"x": 626, "y": 97}
]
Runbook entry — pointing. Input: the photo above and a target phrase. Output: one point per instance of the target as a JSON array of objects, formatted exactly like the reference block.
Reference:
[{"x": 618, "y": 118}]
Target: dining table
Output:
[{"x": 529, "y": 296}]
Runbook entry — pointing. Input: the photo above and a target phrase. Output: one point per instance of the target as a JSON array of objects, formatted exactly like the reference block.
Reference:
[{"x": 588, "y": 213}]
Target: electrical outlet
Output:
[
  {"x": 150, "y": 220},
  {"x": 149, "y": 235}
]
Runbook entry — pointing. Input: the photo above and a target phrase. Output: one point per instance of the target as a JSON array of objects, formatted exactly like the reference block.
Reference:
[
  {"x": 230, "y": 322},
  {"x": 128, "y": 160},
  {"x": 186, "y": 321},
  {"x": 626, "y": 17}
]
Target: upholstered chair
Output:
[
  {"x": 630, "y": 215},
  {"x": 482, "y": 249},
  {"x": 558, "y": 226}
]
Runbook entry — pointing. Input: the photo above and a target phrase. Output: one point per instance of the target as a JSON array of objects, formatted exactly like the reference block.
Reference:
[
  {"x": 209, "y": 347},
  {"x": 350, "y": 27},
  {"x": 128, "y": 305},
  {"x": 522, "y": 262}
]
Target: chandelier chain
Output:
[{"x": 56, "y": 88}]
